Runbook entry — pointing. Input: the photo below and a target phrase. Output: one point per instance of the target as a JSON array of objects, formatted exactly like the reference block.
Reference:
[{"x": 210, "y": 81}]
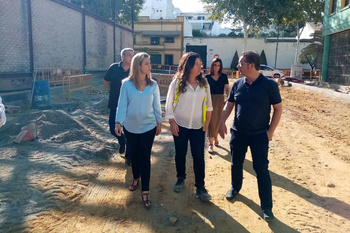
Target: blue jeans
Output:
[
  {"x": 121, "y": 139},
  {"x": 141, "y": 158},
  {"x": 196, "y": 138},
  {"x": 259, "y": 147}
]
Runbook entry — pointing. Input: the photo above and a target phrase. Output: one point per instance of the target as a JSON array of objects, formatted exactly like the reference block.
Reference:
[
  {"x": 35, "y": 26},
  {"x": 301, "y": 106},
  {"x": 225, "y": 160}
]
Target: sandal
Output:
[
  {"x": 134, "y": 184},
  {"x": 210, "y": 149},
  {"x": 216, "y": 141},
  {"x": 145, "y": 199}
]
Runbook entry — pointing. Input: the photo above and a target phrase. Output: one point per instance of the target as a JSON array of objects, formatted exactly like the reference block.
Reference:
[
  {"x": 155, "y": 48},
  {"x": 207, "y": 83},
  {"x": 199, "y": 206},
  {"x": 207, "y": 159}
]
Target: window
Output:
[
  {"x": 155, "y": 40},
  {"x": 344, "y": 3},
  {"x": 200, "y": 17},
  {"x": 156, "y": 58},
  {"x": 332, "y": 6},
  {"x": 169, "y": 39},
  {"x": 169, "y": 59}
]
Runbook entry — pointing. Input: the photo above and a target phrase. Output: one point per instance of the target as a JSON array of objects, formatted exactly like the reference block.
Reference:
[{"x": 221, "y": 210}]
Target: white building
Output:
[
  {"x": 164, "y": 9},
  {"x": 159, "y": 9}
]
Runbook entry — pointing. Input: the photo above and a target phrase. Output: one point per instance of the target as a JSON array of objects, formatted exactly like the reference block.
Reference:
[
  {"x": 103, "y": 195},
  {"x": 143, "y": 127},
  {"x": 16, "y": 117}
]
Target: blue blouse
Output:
[{"x": 139, "y": 111}]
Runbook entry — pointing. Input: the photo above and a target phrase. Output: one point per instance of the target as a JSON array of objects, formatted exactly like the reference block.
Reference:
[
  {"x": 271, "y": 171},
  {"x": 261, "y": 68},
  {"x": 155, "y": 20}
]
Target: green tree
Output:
[
  {"x": 250, "y": 14},
  {"x": 104, "y": 8},
  {"x": 312, "y": 54},
  {"x": 263, "y": 60},
  {"x": 302, "y": 11},
  {"x": 198, "y": 33},
  {"x": 234, "y": 62}
]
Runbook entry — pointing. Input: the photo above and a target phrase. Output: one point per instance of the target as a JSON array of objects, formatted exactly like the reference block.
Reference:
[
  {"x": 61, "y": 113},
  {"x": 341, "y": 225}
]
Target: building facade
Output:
[
  {"x": 161, "y": 38},
  {"x": 336, "y": 30}
]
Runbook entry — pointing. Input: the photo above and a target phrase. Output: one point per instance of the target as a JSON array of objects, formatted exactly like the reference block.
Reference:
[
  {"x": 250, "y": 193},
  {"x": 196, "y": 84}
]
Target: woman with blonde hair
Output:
[
  {"x": 218, "y": 83},
  {"x": 139, "y": 113},
  {"x": 188, "y": 108}
]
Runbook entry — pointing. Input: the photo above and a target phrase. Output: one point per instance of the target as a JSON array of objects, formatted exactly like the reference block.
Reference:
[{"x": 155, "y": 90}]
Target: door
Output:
[{"x": 201, "y": 50}]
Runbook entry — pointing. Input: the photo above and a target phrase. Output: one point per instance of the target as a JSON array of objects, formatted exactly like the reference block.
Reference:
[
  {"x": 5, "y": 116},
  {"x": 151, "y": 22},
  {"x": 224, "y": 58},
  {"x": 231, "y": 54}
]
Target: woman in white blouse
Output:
[
  {"x": 188, "y": 108},
  {"x": 139, "y": 113}
]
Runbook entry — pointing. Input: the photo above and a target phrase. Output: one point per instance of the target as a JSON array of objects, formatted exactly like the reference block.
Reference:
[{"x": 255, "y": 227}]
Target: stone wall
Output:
[{"x": 339, "y": 58}]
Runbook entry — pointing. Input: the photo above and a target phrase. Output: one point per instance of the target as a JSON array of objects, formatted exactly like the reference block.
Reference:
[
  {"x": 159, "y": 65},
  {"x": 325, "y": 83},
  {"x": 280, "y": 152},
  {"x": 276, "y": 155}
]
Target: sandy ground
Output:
[{"x": 72, "y": 179}]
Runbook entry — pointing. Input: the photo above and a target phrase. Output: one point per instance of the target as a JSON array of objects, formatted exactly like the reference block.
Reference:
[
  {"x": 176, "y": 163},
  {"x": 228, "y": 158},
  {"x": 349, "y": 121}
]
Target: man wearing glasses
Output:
[{"x": 252, "y": 96}]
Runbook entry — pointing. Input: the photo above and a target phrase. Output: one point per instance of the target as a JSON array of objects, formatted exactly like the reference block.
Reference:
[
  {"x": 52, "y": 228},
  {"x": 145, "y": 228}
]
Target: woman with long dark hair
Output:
[
  {"x": 188, "y": 108},
  {"x": 139, "y": 114},
  {"x": 218, "y": 83}
]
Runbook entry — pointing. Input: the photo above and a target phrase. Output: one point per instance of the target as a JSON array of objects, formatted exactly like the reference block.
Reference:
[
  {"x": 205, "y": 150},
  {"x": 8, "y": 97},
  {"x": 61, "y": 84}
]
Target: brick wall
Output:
[
  {"x": 57, "y": 33},
  {"x": 14, "y": 49}
]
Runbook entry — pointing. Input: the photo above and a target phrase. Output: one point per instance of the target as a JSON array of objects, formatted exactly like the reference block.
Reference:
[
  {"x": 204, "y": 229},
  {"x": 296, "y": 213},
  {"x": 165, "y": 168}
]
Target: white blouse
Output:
[{"x": 189, "y": 108}]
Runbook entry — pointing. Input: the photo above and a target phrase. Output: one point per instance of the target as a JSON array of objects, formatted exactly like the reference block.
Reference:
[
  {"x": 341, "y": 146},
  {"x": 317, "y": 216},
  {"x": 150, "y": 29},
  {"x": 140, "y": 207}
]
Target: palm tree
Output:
[{"x": 312, "y": 54}]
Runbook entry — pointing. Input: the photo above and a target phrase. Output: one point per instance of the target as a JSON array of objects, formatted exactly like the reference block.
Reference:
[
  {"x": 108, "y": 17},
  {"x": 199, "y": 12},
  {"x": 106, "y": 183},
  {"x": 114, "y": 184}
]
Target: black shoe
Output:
[
  {"x": 128, "y": 162},
  {"x": 268, "y": 215},
  {"x": 121, "y": 148},
  {"x": 179, "y": 185},
  {"x": 203, "y": 194},
  {"x": 231, "y": 194}
]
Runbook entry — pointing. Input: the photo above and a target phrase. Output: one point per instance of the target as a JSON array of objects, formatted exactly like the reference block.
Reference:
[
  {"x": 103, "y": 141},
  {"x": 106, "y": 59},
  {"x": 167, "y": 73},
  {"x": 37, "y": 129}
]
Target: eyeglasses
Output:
[{"x": 240, "y": 64}]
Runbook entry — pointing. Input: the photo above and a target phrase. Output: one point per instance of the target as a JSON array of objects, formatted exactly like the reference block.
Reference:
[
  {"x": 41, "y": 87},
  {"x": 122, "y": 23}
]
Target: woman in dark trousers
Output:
[
  {"x": 139, "y": 114},
  {"x": 188, "y": 108},
  {"x": 218, "y": 83}
]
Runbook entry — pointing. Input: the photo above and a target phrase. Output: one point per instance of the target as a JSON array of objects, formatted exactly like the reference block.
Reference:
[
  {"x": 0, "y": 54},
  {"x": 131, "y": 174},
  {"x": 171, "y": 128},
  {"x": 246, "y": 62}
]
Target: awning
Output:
[{"x": 161, "y": 33}]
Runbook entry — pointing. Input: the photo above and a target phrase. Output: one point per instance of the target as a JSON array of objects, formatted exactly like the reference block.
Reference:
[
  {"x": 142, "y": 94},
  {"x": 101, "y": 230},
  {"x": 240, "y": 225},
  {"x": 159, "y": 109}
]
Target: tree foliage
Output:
[
  {"x": 263, "y": 59},
  {"x": 104, "y": 8},
  {"x": 198, "y": 33},
  {"x": 255, "y": 14},
  {"x": 234, "y": 62}
]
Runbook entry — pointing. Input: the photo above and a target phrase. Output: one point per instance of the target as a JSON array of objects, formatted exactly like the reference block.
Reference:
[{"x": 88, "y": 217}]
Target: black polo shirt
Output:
[
  {"x": 253, "y": 104},
  {"x": 115, "y": 74}
]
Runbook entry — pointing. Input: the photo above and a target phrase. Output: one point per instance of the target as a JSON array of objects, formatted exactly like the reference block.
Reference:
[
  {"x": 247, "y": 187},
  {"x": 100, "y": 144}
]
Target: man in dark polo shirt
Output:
[
  {"x": 113, "y": 81},
  {"x": 252, "y": 96}
]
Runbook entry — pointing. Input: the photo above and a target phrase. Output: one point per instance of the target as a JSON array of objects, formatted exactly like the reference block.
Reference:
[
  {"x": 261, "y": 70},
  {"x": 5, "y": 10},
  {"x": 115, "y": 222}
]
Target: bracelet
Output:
[{"x": 117, "y": 123}]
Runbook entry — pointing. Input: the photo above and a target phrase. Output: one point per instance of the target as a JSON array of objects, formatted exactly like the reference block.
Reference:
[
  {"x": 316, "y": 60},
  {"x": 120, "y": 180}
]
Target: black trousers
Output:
[
  {"x": 141, "y": 145},
  {"x": 259, "y": 146},
  {"x": 196, "y": 138}
]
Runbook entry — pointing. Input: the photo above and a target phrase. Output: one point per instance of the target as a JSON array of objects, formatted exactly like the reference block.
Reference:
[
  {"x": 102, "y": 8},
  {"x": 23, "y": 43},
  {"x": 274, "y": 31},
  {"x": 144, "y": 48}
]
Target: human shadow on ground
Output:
[
  {"x": 276, "y": 225},
  {"x": 328, "y": 203}
]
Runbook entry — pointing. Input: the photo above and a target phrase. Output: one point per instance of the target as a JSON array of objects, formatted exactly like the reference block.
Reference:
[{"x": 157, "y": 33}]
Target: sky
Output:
[{"x": 188, "y": 5}]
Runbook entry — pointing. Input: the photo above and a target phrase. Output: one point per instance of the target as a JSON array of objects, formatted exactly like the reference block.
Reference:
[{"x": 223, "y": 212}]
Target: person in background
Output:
[
  {"x": 252, "y": 96},
  {"x": 188, "y": 108},
  {"x": 218, "y": 83},
  {"x": 139, "y": 113},
  {"x": 113, "y": 81},
  {"x": 2, "y": 113}
]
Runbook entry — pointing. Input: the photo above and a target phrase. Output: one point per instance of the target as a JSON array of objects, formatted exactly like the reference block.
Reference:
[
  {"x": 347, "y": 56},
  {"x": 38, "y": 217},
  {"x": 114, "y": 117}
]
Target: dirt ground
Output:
[{"x": 72, "y": 179}]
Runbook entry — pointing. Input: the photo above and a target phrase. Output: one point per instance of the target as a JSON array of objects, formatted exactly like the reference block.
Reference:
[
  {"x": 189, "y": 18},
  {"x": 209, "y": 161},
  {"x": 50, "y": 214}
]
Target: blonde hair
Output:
[{"x": 136, "y": 63}]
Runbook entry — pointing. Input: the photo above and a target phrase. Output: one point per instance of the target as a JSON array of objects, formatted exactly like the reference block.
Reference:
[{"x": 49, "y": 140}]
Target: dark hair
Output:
[
  {"x": 211, "y": 71},
  {"x": 186, "y": 64},
  {"x": 253, "y": 58}
]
